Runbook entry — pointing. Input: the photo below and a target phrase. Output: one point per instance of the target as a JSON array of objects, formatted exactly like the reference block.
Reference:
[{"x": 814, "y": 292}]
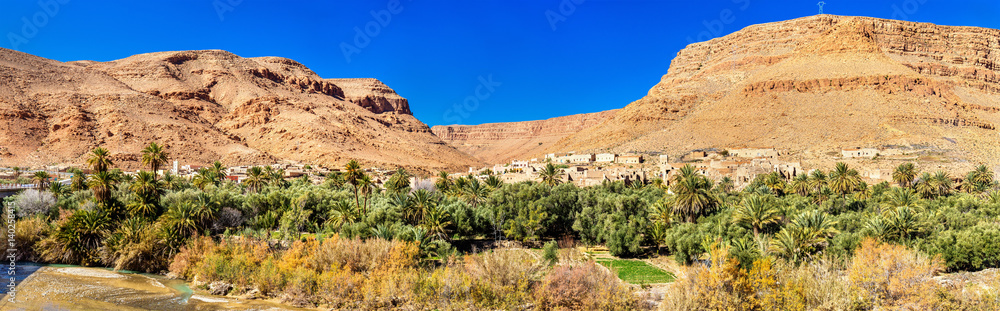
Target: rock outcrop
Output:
[{"x": 206, "y": 106}]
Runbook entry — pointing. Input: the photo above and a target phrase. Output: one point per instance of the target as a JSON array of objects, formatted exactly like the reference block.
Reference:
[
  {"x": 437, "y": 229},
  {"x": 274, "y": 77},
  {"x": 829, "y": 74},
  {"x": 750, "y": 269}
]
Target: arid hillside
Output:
[
  {"x": 503, "y": 142},
  {"x": 206, "y": 106},
  {"x": 814, "y": 85}
]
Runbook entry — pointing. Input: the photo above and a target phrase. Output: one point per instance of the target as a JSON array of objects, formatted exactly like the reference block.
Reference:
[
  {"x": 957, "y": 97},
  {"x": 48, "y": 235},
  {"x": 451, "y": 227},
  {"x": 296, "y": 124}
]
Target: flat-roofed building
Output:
[{"x": 605, "y": 157}]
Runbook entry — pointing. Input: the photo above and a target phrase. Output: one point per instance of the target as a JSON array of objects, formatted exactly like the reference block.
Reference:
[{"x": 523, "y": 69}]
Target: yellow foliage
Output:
[{"x": 892, "y": 276}]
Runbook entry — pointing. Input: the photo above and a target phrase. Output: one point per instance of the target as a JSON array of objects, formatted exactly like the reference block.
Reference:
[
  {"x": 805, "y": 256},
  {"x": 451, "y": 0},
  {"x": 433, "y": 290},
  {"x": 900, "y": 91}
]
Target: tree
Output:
[
  {"x": 978, "y": 180},
  {"x": 399, "y": 182},
  {"x": 844, "y": 180},
  {"x": 800, "y": 185},
  {"x": 817, "y": 180},
  {"x": 436, "y": 222},
  {"x": 154, "y": 156},
  {"x": 443, "y": 182},
  {"x": 41, "y": 179},
  {"x": 58, "y": 190},
  {"x": 78, "y": 181},
  {"x": 904, "y": 175},
  {"x": 99, "y": 160},
  {"x": 146, "y": 185},
  {"x": 352, "y": 175},
  {"x": 550, "y": 175},
  {"x": 218, "y": 172},
  {"x": 102, "y": 183},
  {"x": 692, "y": 194},
  {"x": 943, "y": 183},
  {"x": 255, "y": 180},
  {"x": 757, "y": 212},
  {"x": 203, "y": 179}
]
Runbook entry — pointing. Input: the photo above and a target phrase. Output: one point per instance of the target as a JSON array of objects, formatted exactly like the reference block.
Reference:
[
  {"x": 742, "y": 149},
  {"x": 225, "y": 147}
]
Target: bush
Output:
[
  {"x": 583, "y": 287},
  {"x": 551, "y": 252},
  {"x": 32, "y": 202}
]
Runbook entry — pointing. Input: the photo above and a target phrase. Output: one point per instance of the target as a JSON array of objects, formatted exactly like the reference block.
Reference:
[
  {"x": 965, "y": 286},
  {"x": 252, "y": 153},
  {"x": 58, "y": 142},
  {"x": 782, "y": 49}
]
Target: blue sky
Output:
[{"x": 496, "y": 60}]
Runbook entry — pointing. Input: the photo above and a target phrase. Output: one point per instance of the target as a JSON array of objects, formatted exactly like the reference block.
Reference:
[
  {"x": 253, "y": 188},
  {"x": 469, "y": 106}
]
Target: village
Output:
[{"x": 740, "y": 165}]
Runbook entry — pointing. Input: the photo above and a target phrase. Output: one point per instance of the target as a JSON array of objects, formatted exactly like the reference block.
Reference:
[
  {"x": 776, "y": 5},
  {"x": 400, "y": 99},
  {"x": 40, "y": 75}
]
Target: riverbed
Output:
[{"x": 63, "y": 287}]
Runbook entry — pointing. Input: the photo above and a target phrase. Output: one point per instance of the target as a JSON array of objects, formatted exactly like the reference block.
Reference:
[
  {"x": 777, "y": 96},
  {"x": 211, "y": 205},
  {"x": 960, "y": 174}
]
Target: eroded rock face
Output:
[
  {"x": 817, "y": 84},
  {"x": 373, "y": 95},
  {"x": 503, "y": 142},
  {"x": 206, "y": 106}
]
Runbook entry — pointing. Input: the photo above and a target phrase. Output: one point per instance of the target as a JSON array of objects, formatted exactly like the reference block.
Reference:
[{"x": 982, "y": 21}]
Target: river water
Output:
[{"x": 65, "y": 287}]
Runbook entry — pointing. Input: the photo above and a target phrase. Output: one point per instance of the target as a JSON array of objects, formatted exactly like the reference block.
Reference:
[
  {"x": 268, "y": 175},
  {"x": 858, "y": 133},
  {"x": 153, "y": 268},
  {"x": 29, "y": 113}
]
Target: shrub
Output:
[
  {"x": 886, "y": 275},
  {"x": 584, "y": 286},
  {"x": 32, "y": 202},
  {"x": 551, "y": 253}
]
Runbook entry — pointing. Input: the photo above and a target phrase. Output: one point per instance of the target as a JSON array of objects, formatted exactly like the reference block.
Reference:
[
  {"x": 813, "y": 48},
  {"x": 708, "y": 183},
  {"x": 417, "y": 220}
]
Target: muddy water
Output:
[{"x": 58, "y": 287}]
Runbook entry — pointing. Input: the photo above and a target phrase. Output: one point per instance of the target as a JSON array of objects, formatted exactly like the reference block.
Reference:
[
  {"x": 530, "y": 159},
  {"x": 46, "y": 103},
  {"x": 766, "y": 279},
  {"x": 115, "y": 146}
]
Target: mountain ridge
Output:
[
  {"x": 813, "y": 85},
  {"x": 205, "y": 106}
]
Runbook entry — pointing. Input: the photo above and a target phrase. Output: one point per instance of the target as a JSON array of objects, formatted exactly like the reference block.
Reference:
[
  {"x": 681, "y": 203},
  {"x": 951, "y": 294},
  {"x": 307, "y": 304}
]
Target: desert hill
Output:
[
  {"x": 206, "y": 106},
  {"x": 814, "y": 85},
  {"x": 503, "y": 142}
]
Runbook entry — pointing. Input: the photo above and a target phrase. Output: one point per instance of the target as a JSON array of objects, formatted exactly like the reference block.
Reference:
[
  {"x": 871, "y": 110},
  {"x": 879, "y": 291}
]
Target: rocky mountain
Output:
[
  {"x": 814, "y": 85},
  {"x": 503, "y": 142},
  {"x": 206, "y": 106}
]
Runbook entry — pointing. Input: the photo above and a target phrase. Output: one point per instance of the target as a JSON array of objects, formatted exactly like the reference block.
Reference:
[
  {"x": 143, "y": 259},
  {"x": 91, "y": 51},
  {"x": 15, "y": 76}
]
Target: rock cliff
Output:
[
  {"x": 816, "y": 84},
  {"x": 206, "y": 106}
]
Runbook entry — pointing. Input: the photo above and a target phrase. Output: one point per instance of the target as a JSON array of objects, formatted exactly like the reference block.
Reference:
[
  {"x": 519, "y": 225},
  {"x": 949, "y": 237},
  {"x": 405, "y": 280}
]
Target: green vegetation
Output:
[
  {"x": 291, "y": 238},
  {"x": 637, "y": 271}
]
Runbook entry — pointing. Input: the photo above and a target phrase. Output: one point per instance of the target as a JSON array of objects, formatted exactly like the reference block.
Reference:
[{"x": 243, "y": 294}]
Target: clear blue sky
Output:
[{"x": 600, "y": 54}]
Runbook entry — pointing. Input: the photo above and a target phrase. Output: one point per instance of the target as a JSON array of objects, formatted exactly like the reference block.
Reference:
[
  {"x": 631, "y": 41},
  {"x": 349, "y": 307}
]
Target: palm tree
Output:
[
  {"x": 800, "y": 185},
  {"x": 154, "y": 156},
  {"x": 905, "y": 221},
  {"x": 494, "y": 182},
  {"x": 102, "y": 183},
  {"x": 726, "y": 185},
  {"x": 99, "y": 159},
  {"x": 218, "y": 172},
  {"x": 341, "y": 214},
  {"x": 255, "y": 179},
  {"x": 146, "y": 185},
  {"x": 443, "y": 182},
  {"x": 436, "y": 222},
  {"x": 757, "y": 212},
  {"x": 422, "y": 201},
  {"x": 904, "y": 174},
  {"x": 978, "y": 180},
  {"x": 143, "y": 206},
  {"x": 901, "y": 197},
  {"x": 473, "y": 191},
  {"x": 925, "y": 186},
  {"x": 352, "y": 174},
  {"x": 878, "y": 228},
  {"x": 662, "y": 212},
  {"x": 171, "y": 181},
  {"x": 399, "y": 182},
  {"x": 17, "y": 171},
  {"x": 844, "y": 180},
  {"x": 41, "y": 179},
  {"x": 184, "y": 217},
  {"x": 817, "y": 180},
  {"x": 942, "y": 182},
  {"x": 58, "y": 189},
  {"x": 78, "y": 181},
  {"x": 203, "y": 179},
  {"x": 550, "y": 175},
  {"x": 692, "y": 194}
]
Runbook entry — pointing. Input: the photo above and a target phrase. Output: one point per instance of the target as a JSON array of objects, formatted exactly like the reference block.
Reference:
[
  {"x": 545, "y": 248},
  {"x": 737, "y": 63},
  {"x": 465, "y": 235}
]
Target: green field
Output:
[{"x": 637, "y": 272}]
